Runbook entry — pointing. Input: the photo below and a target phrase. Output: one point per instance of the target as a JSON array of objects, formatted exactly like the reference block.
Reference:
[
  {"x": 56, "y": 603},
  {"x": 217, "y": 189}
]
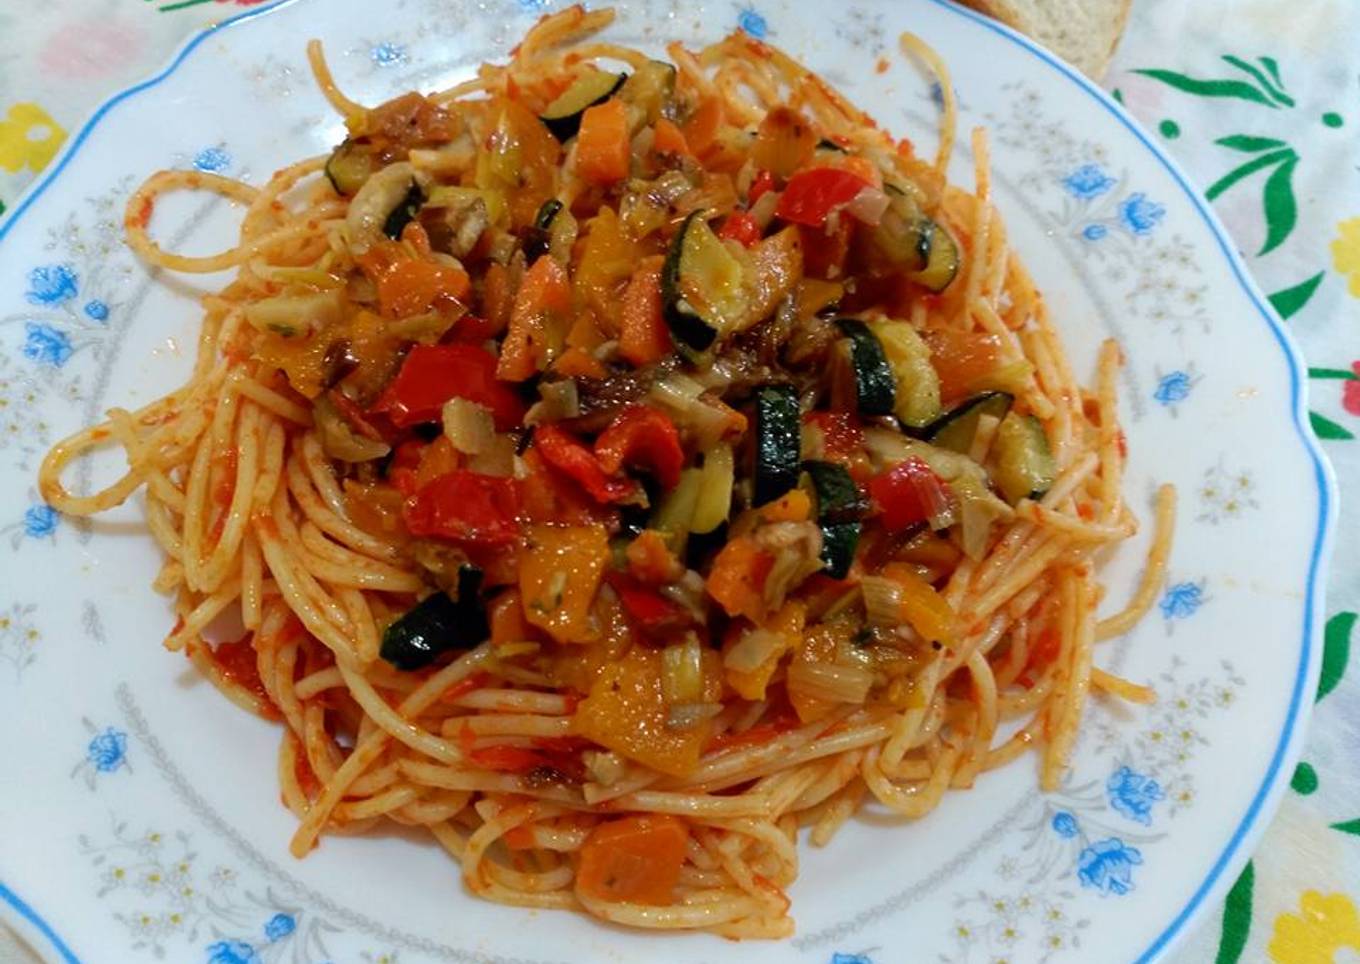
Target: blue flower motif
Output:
[
  {"x": 40, "y": 520},
  {"x": 230, "y": 952},
  {"x": 1107, "y": 866},
  {"x": 388, "y": 54},
  {"x": 1094, "y": 232},
  {"x": 108, "y": 750},
  {"x": 51, "y": 284},
  {"x": 212, "y": 160},
  {"x": 533, "y": 6},
  {"x": 279, "y": 926},
  {"x": 1064, "y": 824},
  {"x": 1181, "y": 600},
  {"x": 839, "y": 958},
  {"x": 1133, "y": 794},
  {"x": 1173, "y": 388},
  {"x": 1088, "y": 181},
  {"x": 96, "y": 310},
  {"x": 751, "y": 20},
  {"x": 1139, "y": 215},
  {"x": 46, "y": 345}
]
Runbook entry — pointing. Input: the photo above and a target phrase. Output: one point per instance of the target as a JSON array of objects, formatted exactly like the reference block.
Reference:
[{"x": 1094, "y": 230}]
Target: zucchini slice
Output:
[
  {"x": 778, "y": 442},
  {"x": 909, "y": 241},
  {"x": 407, "y": 208},
  {"x": 348, "y": 167},
  {"x": 940, "y": 255},
  {"x": 839, "y": 510},
  {"x": 702, "y": 285},
  {"x": 954, "y": 430},
  {"x": 650, "y": 89},
  {"x": 563, "y": 115},
  {"x": 918, "y": 385},
  {"x": 1022, "y": 462},
  {"x": 539, "y": 234},
  {"x": 438, "y": 624},
  {"x": 875, "y": 388}
]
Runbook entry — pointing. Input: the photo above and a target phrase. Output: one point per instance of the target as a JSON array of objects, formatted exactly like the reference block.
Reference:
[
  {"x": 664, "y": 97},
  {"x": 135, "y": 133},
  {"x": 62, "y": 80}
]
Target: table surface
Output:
[{"x": 1259, "y": 100}]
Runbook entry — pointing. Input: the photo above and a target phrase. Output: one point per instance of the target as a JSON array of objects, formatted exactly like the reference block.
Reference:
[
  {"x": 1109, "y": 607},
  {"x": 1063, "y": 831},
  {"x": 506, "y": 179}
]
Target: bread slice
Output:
[{"x": 1082, "y": 32}]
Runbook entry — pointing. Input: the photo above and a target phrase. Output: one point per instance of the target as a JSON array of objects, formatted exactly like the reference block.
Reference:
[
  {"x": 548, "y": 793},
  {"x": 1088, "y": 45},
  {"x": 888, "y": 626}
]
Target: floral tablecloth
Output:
[{"x": 1258, "y": 99}]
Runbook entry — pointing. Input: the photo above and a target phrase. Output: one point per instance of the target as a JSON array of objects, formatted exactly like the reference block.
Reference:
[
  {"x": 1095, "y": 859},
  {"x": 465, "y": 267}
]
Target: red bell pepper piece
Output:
[
  {"x": 650, "y": 611},
  {"x": 762, "y": 182},
  {"x": 643, "y": 438},
  {"x": 569, "y": 456},
  {"x": 812, "y": 195},
  {"x": 433, "y": 374},
  {"x": 741, "y": 228},
  {"x": 466, "y": 507},
  {"x": 908, "y": 493}
]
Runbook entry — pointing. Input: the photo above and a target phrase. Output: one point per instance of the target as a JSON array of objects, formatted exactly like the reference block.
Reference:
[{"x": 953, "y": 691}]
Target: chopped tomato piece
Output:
[
  {"x": 908, "y": 493},
  {"x": 741, "y": 228}
]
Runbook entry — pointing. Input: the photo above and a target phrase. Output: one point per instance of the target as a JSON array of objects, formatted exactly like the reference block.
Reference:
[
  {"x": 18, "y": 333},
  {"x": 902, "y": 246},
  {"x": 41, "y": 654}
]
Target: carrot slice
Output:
[{"x": 634, "y": 860}]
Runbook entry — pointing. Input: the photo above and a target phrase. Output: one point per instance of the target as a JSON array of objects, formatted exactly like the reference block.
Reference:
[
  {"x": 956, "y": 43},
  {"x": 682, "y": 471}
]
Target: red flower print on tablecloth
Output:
[{"x": 1350, "y": 392}]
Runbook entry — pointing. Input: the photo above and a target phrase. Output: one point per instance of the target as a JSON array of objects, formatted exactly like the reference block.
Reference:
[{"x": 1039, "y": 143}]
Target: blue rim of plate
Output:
[{"x": 1264, "y": 801}]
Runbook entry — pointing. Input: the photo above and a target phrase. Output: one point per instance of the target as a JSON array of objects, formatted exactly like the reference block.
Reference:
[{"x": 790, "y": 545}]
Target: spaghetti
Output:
[{"x": 804, "y": 513}]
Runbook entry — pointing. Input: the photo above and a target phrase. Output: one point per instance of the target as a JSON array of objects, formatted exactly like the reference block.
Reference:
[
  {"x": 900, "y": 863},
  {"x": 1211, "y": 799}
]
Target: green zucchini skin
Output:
[
  {"x": 348, "y": 168},
  {"x": 438, "y": 624},
  {"x": 840, "y": 507},
  {"x": 691, "y": 330},
  {"x": 563, "y": 116},
  {"x": 954, "y": 430},
  {"x": 404, "y": 212},
  {"x": 875, "y": 386},
  {"x": 537, "y": 238},
  {"x": 778, "y": 442},
  {"x": 1022, "y": 463}
]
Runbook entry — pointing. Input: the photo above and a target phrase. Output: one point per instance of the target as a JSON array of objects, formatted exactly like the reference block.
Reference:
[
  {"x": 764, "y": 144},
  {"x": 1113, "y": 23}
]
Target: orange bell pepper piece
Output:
[
  {"x": 544, "y": 295},
  {"x": 602, "y": 144},
  {"x": 634, "y": 860},
  {"x": 737, "y": 579},
  {"x": 644, "y": 336}
]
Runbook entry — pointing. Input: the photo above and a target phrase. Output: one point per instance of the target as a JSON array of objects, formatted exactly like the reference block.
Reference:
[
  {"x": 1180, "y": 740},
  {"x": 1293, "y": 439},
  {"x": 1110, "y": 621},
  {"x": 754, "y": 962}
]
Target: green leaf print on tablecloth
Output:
[
  {"x": 1289, "y": 300},
  {"x": 1236, "y": 918},
  {"x": 1336, "y": 652}
]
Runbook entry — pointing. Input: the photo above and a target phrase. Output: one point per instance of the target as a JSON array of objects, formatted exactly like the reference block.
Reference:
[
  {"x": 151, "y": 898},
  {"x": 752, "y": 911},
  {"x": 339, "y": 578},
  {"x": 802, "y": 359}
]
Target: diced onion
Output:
[
  {"x": 830, "y": 681},
  {"x": 682, "y": 672},
  {"x": 604, "y": 767},
  {"x": 498, "y": 459},
  {"x": 753, "y": 650},
  {"x": 468, "y": 426},
  {"x": 882, "y": 601},
  {"x": 868, "y": 206},
  {"x": 296, "y": 316},
  {"x": 686, "y": 716},
  {"x": 715, "y": 489},
  {"x": 558, "y": 400}
]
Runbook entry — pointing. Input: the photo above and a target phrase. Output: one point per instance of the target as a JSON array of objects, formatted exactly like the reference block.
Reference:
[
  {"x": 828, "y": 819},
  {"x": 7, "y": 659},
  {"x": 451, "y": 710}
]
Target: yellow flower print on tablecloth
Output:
[
  {"x": 1324, "y": 925},
  {"x": 29, "y": 137},
  {"x": 1346, "y": 252}
]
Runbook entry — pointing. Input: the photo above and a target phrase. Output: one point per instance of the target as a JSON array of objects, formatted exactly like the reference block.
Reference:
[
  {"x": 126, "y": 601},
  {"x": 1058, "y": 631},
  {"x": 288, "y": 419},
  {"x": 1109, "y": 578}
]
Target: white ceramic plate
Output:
[{"x": 140, "y": 813}]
